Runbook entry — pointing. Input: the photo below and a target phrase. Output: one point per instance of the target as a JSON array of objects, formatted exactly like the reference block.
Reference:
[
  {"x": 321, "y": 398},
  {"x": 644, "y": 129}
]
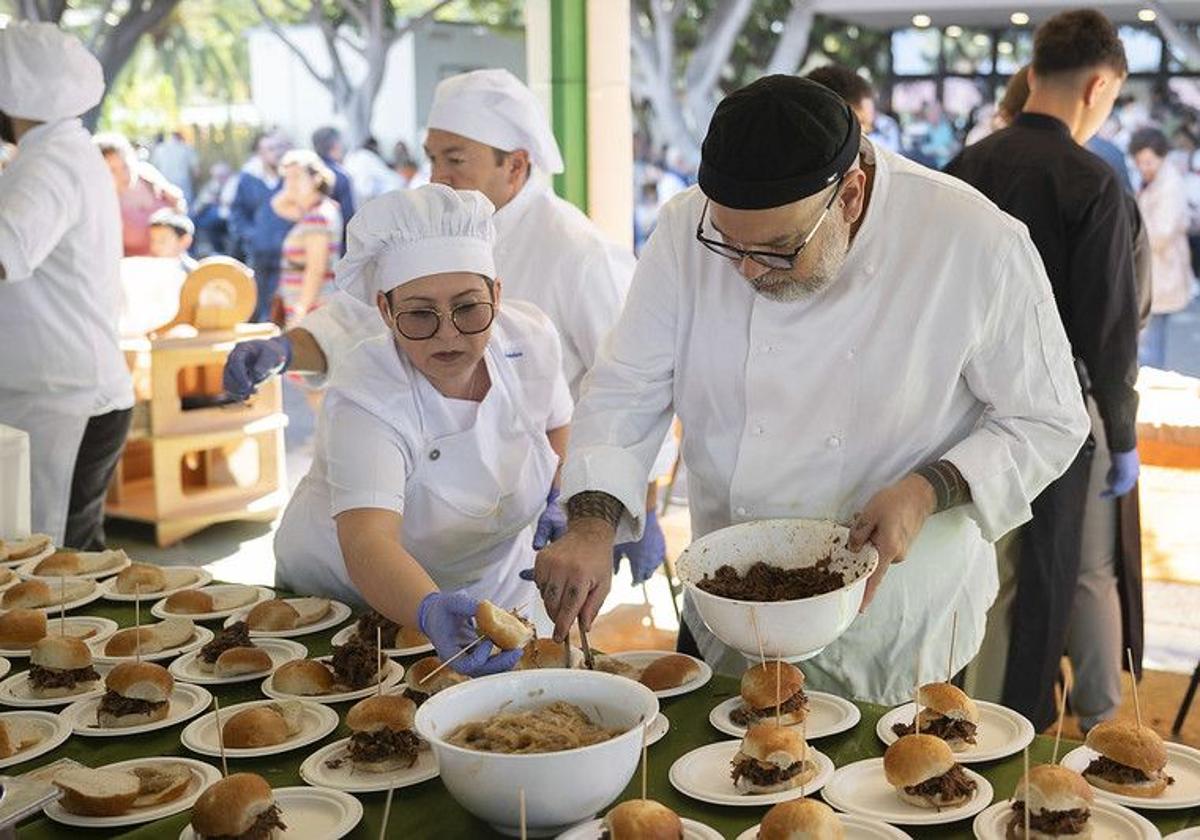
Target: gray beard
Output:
[{"x": 784, "y": 287}]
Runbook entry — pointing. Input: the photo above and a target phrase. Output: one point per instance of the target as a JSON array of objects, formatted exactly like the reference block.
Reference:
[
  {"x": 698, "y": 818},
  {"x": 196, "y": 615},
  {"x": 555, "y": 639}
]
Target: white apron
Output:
[{"x": 471, "y": 503}]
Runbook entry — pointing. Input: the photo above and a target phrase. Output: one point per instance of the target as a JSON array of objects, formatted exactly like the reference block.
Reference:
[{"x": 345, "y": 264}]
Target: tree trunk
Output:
[{"x": 793, "y": 42}]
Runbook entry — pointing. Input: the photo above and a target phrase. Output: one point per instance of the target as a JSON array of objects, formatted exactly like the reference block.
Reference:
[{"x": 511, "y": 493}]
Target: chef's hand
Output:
[
  {"x": 1122, "y": 475},
  {"x": 891, "y": 521},
  {"x": 552, "y": 524},
  {"x": 253, "y": 362},
  {"x": 447, "y": 618},
  {"x": 645, "y": 555},
  {"x": 574, "y": 574}
]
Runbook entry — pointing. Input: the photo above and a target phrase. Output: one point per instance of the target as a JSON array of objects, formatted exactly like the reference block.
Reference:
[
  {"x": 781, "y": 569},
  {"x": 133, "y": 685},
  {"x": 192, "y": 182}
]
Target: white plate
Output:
[
  {"x": 41, "y": 555},
  {"x": 53, "y": 610},
  {"x": 392, "y": 675},
  {"x": 641, "y": 658},
  {"x": 187, "y": 701},
  {"x": 5, "y": 666},
  {"x": 178, "y": 579},
  {"x": 26, "y": 568},
  {"x": 860, "y": 788},
  {"x": 346, "y": 633},
  {"x": 309, "y": 814},
  {"x": 1183, "y": 764},
  {"x": 200, "y": 736},
  {"x": 1109, "y": 821},
  {"x": 280, "y": 650},
  {"x": 855, "y": 827},
  {"x": 1002, "y": 732},
  {"x": 203, "y": 775},
  {"x": 1186, "y": 834},
  {"x": 704, "y": 774},
  {"x": 14, "y": 691},
  {"x": 159, "y": 610},
  {"x": 828, "y": 715},
  {"x": 53, "y": 729},
  {"x": 200, "y": 638},
  {"x": 314, "y": 771},
  {"x": 338, "y": 612},
  {"x": 658, "y": 729},
  {"x": 692, "y": 830},
  {"x": 77, "y": 625}
]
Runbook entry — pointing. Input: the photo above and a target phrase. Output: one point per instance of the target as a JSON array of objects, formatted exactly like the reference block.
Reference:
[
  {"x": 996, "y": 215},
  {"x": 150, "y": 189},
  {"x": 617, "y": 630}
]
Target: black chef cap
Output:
[{"x": 776, "y": 141}]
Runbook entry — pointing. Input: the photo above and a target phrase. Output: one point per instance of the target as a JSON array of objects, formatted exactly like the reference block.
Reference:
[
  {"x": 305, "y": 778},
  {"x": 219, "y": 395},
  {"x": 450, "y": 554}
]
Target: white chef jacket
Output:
[
  {"x": 939, "y": 339},
  {"x": 60, "y": 244},
  {"x": 373, "y": 437}
]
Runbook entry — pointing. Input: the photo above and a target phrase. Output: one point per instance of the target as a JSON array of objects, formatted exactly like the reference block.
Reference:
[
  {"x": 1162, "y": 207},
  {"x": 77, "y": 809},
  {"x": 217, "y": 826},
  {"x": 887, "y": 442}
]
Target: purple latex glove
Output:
[
  {"x": 552, "y": 524},
  {"x": 1122, "y": 475},
  {"x": 253, "y": 362},
  {"x": 448, "y": 619},
  {"x": 645, "y": 555}
]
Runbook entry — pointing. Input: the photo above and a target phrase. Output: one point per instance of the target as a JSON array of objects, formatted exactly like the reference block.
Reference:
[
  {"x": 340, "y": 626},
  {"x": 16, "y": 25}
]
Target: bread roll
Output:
[
  {"x": 190, "y": 602},
  {"x": 273, "y": 616}
]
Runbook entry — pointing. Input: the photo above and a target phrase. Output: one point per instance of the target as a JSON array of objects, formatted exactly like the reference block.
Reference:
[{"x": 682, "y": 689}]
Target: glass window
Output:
[
  {"x": 1015, "y": 50},
  {"x": 967, "y": 51},
  {"x": 915, "y": 51},
  {"x": 1143, "y": 49},
  {"x": 960, "y": 98},
  {"x": 1176, "y": 60}
]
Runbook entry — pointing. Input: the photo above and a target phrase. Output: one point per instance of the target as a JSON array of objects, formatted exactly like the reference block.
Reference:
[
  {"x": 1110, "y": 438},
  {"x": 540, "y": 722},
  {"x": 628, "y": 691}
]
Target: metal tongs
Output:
[{"x": 588, "y": 659}]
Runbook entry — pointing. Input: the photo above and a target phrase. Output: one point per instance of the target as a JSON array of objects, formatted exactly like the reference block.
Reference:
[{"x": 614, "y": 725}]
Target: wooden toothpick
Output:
[
  {"x": 1062, "y": 710},
  {"x": 522, "y": 796},
  {"x": 62, "y": 605},
  {"x": 387, "y": 812},
  {"x": 478, "y": 639},
  {"x": 644, "y": 740},
  {"x": 778, "y": 699},
  {"x": 917, "y": 691},
  {"x": 758, "y": 637},
  {"x": 379, "y": 668},
  {"x": 220, "y": 735},
  {"x": 1137, "y": 703},
  {"x": 137, "y": 622},
  {"x": 953, "y": 633},
  {"x": 1025, "y": 810}
]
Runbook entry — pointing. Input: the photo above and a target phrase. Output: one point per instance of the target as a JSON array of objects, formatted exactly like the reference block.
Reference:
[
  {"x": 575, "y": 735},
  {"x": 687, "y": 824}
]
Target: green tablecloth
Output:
[{"x": 426, "y": 810}]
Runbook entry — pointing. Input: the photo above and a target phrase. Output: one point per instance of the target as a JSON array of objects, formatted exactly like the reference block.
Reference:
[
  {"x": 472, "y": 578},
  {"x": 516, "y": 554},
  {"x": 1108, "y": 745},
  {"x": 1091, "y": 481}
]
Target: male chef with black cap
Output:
[{"x": 845, "y": 335}]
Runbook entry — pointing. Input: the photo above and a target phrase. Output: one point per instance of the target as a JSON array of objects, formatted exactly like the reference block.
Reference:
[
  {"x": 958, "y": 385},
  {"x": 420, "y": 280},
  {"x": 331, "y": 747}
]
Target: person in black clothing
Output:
[{"x": 1038, "y": 170}]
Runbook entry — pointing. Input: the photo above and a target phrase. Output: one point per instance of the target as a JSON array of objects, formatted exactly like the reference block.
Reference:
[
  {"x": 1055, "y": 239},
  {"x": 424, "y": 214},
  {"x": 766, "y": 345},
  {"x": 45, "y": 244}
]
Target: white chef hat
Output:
[
  {"x": 46, "y": 74},
  {"x": 406, "y": 234},
  {"x": 496, "y": 108}
]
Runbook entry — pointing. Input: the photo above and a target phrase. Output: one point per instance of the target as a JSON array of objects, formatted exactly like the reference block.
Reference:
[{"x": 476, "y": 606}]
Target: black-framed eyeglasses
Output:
[
  {"x": 767, "y": 259},
  {"x": 423, "y": 324}
]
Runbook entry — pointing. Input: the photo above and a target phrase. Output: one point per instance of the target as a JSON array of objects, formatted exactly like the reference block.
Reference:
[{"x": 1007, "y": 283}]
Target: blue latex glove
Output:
[
  {"x": 1122, "y": 475},
  {"x": 447, "y": 618},
  {"x": 645, "y": 555},
  {"x": 253, "y": 362},
  {"x": 552, "y": 524}
]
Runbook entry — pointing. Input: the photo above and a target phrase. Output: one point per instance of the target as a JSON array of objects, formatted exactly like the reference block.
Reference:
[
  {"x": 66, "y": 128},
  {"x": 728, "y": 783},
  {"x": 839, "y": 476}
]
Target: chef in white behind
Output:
[
  {"x": 841, "y": 332},
  {"x": 438, "y": 438},
  {"x": 63, "y": 377}
]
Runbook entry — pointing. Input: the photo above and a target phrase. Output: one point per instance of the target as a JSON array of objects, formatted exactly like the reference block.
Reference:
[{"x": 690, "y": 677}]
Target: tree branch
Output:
[
  {"x": 792, "y": 46},
  {"x": 716, "y": 43},
  {"x": 357, "y": 13},
  {"x": 94, "y": 38},
  {"x": 413, "y": 23},
  {"x": 279, "y": 32}
]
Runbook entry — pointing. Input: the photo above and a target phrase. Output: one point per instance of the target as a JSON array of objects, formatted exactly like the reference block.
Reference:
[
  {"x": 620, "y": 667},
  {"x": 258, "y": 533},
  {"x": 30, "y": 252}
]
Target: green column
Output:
[{"x": 568, "y": 86}]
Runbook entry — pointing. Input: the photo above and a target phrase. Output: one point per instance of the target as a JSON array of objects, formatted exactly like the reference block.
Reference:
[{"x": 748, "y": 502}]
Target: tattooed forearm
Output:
[
  {"x": 596, "y": 505},
  {"x": 949, "y": 487}
]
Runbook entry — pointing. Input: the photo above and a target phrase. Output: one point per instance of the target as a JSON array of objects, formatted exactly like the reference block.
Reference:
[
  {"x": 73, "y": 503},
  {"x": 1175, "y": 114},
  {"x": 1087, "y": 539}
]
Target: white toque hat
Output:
[
  {"x": 496, "y": 108},
  {"x": 46, "y": 74},
  {"x": 406, "y": 234}
]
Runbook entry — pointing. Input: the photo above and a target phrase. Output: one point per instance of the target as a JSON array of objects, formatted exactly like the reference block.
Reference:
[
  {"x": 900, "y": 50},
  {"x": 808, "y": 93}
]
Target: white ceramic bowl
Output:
[
  {"x": 790, "y": 630},
  {"x": 561, "y": 788}
]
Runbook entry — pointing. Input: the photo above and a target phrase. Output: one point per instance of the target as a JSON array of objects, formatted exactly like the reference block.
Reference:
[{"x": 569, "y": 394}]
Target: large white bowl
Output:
[
  {"x": 561, "y": 788},
  {"x": 790, "y": 630}
]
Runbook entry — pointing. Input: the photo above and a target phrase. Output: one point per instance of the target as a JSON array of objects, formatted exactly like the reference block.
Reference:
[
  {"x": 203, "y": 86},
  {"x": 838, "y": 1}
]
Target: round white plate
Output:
[
  {"x": 855, "y": 827},
  {"x": 347, "y": 633},
  {"x": 1183, "y": 764},
  {"x": 828, "y": 715},
  {"x": 178, "y": 579},
  {"x": 53, "y": 729},
  {"x": 41, "y": 555},
  {"x": 310, "y": 814},
  {"x": 76, "y": 625},
  {"x": 200, "y": 638},
  {"x": 53, "y": 610},
  {"x": 860, "y": 788},
  {"x": 1186, "y": 834},
  {"x": 338, "y": 612},
  {"x": 159, "y": 610},
  {"x": 280, "y": 650},
  {"x": 392, "y": 675},
  {"x": 1109, "y": 821},
  {"x": 641, "y": 658},
  {"x": 14, "y": 691},
  {"x": 187, "y": 701},
  {"x": 658, "y": 729},
  {"x": 25, "y": 570},
  {"x": 590, "y": 830},
  {"x": 1002, "y": 732},
  {"x": 203, "y": 775},
  {"x": 346, "y": 778},
  {"x": 5, "y": 666},
  {"x": 200, "y": 736},
  {"x": 704, "y": 774}
]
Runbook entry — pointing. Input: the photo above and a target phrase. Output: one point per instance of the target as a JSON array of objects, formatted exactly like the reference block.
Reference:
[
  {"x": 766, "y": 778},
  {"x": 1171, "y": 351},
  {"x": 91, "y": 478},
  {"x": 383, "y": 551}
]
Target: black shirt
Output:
[{"x": 1075, "y": 211}]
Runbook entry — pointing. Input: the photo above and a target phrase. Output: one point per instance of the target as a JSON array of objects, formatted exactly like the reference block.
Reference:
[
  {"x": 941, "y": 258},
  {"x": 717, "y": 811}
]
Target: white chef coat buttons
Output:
[
  {"x": 758, "y": 430},
  {"x": 850, "y": 353},
  {"x": 434, "y": 454},
  {"x": 740, "y": 511},
  {"x": 833, "y": 441}
]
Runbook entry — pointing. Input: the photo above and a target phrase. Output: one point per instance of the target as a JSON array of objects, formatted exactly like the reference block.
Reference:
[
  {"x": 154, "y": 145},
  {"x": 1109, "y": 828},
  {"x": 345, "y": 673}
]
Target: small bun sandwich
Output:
[
  {"x": 60, "y": 666},
  {"x": 1132, "y": 759},
  {"x": 419, "y": 691},
  {"x": 507, "y": 630},
  {"x": 382, "y": 737},
  {"x": 772, "y": 758},
  {"x": 642, "y": 819},
  {"x": 137, "y": 693},
  {"x": 140, "y": 578},
  {"x": 759, "y": 692},
  {"x": 264, "y": 725},
  {"x": 801, "y": 819},
  {"x": 946, "y": 713},
  {"x": 1059, "y": 804},
  {"x": 232, "y": 653},
  {"x": 924, "y": 773},
  {"x": 20, "y": 628},
  {"x": 239, "y": 807},
  {"x": 303, "y": 678},
  {"x": 670, "y": 671}
]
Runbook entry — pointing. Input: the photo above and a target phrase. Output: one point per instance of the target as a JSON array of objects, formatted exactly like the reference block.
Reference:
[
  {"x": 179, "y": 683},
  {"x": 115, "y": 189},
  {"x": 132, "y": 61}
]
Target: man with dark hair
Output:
[
  {"x": 1038, "y": 170},
  {"x": 256, "y": 183},
  {"x": 853, "y": 88},
  {"x": 327, "y": 143}
]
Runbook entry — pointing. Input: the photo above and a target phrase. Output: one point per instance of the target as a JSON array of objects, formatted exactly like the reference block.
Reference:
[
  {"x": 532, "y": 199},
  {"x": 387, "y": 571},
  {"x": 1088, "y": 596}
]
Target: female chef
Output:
[{"x": 438, "y": 440}]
